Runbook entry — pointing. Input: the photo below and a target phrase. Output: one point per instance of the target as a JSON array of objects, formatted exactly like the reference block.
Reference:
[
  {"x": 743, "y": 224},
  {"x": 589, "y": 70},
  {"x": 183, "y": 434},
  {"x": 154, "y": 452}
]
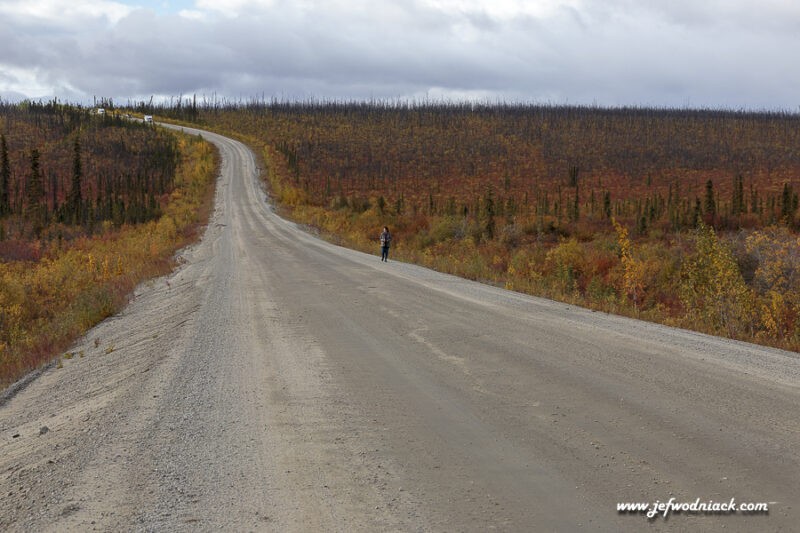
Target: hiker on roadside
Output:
[{"x": 386, "y": 238}]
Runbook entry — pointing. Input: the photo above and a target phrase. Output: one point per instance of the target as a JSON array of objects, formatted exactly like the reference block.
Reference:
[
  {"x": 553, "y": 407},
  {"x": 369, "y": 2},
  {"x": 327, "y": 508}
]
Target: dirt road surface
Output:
[{"x": 275, "y": 382}]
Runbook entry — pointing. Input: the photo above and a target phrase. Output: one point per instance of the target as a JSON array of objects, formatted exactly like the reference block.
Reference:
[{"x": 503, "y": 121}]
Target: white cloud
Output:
[
  {"x": 615, "y": 52},
  {"x": 503, "y": 10},
  {"x": 233, "y": 8},
  {"x": 192, "y": 14},
  {"x": 14, "y": 79},
  {"x": 20, "y": 83},
  {"x": 63, "y": 12}
]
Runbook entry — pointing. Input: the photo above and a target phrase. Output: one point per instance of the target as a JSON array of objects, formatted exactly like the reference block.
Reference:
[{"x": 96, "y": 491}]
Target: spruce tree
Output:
[
  {"x": 738, "y": 204},
  {"x": 787, "y": 207},
  {"x": 35, "y": 208},
  {"x": 575, "y": 212},
  {"x": 75, "y": 200},
  {"x": 696, "y": 214},
  {"x": 488, "y": 215},
  {"x": 710, "y": 203},
  {"x": 5, "y": 178}
]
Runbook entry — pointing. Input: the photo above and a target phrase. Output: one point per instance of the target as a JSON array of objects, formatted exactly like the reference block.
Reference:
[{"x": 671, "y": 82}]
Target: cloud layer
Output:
[{"x": 717, "y": 53}]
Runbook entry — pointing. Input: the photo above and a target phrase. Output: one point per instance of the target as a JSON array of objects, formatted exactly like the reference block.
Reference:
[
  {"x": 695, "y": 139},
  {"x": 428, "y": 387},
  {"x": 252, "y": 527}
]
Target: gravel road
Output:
[{"x": 276, "y": 382}]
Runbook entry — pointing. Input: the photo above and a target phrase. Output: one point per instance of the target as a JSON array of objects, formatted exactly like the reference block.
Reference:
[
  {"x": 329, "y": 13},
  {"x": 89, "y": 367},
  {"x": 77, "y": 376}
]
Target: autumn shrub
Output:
[
  {"x": 599, "y": 281},
  {"x": 446, "y": 228},
  {"x": 776, "y": 280},
  {"x": 713, "y": 289},
  {"x": 565, "y": 263}
]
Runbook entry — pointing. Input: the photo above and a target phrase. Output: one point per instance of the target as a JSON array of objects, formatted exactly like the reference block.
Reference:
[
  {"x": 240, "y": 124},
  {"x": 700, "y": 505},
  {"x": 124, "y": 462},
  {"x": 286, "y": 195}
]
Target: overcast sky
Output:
[{"x": 677, "y": 53}]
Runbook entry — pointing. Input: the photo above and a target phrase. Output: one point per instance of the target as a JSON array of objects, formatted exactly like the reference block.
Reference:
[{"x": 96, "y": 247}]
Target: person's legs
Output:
[{"x": 384, "y": 253}]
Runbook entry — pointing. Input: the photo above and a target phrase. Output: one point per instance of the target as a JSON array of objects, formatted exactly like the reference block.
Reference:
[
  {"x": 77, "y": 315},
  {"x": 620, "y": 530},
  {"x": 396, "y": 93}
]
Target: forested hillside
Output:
[
  {"x": 90, "y": 205},
  {"x": 69, "y": 170},
  {"x": 688, "y": 217}
]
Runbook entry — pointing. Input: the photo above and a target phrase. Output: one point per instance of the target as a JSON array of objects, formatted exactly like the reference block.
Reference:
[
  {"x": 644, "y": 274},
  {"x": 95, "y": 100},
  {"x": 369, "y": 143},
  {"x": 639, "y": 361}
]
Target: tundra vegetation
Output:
[
  {"x": 684, "y": 217},
  {"x": 90, "y": 205}
]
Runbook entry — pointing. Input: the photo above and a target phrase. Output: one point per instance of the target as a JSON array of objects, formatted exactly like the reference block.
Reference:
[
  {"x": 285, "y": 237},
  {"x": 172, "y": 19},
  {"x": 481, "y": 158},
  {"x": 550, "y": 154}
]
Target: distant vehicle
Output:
[
  {"x": 148, "y": 119},
  {"x": 101, "y": 111}
]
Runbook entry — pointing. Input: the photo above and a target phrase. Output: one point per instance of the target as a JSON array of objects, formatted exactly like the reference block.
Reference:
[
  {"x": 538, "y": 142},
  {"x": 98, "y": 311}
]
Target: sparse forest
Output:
[
  {"x": 68, "y": 171},
  {"x": 686, "y": 217},
  {"x": 90, "y": 205}
]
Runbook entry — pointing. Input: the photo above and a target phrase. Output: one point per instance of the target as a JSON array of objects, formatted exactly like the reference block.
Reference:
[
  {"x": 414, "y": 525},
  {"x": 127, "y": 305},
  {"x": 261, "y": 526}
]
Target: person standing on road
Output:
[{"x": 386, "y": 238}]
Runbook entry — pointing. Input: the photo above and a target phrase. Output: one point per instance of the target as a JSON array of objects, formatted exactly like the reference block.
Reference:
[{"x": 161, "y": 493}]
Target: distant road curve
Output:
[{"x": 276, "y": 382}]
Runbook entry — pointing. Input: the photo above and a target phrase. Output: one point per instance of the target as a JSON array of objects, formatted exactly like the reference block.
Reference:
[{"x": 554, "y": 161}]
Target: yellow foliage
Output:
[
  {"x": 106, "y": 273},
  {"x": 12, "y": 298},
  {"x": 523, "y": 265},
  {"x": 632, "y": 282},
  {"x": 779, "y": 315},
  {"x": 777, "y": 279},
  {"x": 91, "y": 265},
  {"x": 713, "y": 289},
  {"x": 778, "y": 254},
  {"x": 566, "y": 260}
]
